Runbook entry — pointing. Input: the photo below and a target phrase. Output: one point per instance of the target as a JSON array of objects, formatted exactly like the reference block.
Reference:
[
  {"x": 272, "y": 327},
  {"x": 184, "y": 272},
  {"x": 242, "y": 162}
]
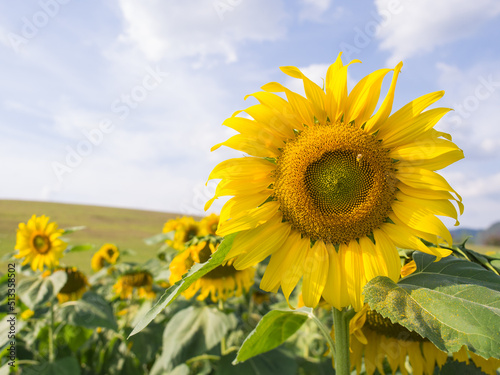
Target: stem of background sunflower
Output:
[
  {"x": 341, "y": 327},
  {"x": 51, "y": 333},
  {"x": 324, "y": 332}
]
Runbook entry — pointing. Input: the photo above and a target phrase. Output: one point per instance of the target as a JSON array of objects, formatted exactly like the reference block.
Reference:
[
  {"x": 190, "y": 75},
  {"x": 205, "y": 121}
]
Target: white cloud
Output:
[
  {"x": 474, "y": 94},
  {"x": 200, "y": 29},
  {"x": 421, "y": 26},
  {"x": 314, "y": 10}
]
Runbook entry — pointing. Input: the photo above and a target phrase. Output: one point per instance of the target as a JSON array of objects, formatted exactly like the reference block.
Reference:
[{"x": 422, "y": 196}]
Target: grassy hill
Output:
[{"x": 123, "y": 227}]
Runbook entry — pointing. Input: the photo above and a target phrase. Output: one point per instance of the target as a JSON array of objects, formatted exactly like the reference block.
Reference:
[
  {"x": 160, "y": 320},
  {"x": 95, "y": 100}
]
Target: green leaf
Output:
[
  {"x": 63, "y": 366},
  {"x": 147, "y": 343},
  {"x": 447, "y": 271},
  {"x": 73, "y": 229},
  {"x": 159, "y": 238},
  {"x": 191, "y": 332},
  {"x": 270, "y": 363},
  {"x": 273, "y": 329},
  {"x": 182, "y": 369},
  {"x": 455, "y": 367},
  {"x": 36, "y": 291},
  {"x": 5, "y": 369},
  {"x": 197, "y": 271},
  {"x": 74, "y": 336},
  {"x": 452, "y": 303},
  {"x": 91, "y": 311},
  {"x": 78, "y": 248}
]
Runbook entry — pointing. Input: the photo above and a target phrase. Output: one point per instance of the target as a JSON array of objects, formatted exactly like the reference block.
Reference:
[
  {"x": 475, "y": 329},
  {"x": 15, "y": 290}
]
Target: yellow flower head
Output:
[
  {"x": 376, "y": 338},
  {"x": 186, "y": 228},
  {"x": 140, "y": 281},
  {"x": 76, "y": 285},
  {"x": 331, "y": 186},
  {"x": 39, "y": 244},
  {"x": 221, "y": 283},
  {"x": 107, "y": 254},
  {"x": 209, "y": 224},
  {"x": 26, "y": 314}
]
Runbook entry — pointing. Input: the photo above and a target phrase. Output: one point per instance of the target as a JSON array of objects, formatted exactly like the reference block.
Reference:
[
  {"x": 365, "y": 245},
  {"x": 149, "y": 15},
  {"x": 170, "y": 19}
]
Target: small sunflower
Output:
[
  {"x": 330, "y": 188},
  {"x": 39, "y": 244},
  {"x": 107, "y": 254},
  {"x": 376, "y": 338},
  {"x": 141, "y": 281},
  {"x": 76, "y": 285},
  {"x": 186, "y": 228},
  {"x": 209, "y": 224},
  {"x": 221, "y": 283}
]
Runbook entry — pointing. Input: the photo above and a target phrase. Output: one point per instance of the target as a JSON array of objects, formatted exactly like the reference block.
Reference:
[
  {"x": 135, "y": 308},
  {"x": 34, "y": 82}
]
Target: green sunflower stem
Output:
[
  {"x": 324, "y": 332},
  {"x": 51, "y": 333},
  {"x": 342, "y": 353}
]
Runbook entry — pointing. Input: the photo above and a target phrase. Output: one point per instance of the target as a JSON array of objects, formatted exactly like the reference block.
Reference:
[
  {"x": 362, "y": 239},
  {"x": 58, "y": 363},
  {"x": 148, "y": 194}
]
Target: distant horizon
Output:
[{"x": 452, "y": 228}]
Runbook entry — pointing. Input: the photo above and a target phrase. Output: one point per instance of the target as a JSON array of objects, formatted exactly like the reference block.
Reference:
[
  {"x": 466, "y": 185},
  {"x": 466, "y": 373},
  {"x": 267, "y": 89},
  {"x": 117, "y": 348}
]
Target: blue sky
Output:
[{"x": 118, "y": 102}]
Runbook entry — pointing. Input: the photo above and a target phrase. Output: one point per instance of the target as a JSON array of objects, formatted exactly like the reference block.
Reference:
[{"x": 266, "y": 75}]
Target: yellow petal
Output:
[
  {"x": 414, "y": 127},
  {"x": 250, "y": 220},
  {"x": 336, "y": 89},
  {"x": 386, "y": 107},
  {"x": 300, "y": 105},
  {"x": 363, "y": 98},
  {"x": 421, "y": 178},
  {"x": 274, "y": 271},
  {"x": 420, "y": 219},
  {"x": 313, "y": 92},
  {"x": 294, "y": 266},
  {"x": 243, "y": 168},
  {"x": 235, "y": 188},
  {"x": 335, "y": 292},
  {"x": 441, "y": 207},
  {"x": 386, "y": 249},
  {"x": 283, "y": 123},
  {"x": 236, "y": 205},
  {"x": 354, "y": 275},
  {"x": 401, "y": 118},
  {"x": 255, "y": 249},
  {"x": 315, "y": 274}
]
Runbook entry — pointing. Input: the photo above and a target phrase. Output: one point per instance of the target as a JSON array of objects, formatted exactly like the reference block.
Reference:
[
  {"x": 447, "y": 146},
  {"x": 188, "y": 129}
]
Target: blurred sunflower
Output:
[
  {"x": 209, "y": 224},
  {"x": 221, "y": 283},
  {"x": 142, "y": 281},
  {"x": 185, "y": 229},
  {"x": 376, "y": 338},
  {"x": 76, "y": 285},
  {"x": 107, "y": 254},
  {"x": 39, "y": 244},
  {"x": 331, "y": 188}
]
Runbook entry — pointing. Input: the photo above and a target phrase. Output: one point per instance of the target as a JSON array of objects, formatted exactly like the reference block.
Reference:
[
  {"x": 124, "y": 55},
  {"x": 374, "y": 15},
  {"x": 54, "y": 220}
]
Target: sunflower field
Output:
[{"x": 328, "y": 258}]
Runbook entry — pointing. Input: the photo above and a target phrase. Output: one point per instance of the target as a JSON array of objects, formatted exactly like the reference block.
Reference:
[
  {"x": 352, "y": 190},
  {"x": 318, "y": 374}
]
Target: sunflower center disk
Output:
[
  {"x": 74, "y": 282},
  {"x": 334, "y": 183},
  {"x": 338, "y": 182},
  {"x": 41, "y": 244}
]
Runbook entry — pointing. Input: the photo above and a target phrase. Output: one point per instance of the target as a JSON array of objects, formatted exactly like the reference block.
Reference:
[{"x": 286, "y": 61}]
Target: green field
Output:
[{"x": 123, "y": 227}]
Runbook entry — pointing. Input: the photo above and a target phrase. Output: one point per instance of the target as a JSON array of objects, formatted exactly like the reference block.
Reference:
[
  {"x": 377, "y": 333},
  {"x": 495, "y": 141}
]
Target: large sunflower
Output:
[
  {"x": 221, "y": 283},
  {"x": 377, "y": 339},
  {"x": 74, "y": 288},
  {"x": 39, "y": 244},
  {"x": 330, "y": 188}
]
